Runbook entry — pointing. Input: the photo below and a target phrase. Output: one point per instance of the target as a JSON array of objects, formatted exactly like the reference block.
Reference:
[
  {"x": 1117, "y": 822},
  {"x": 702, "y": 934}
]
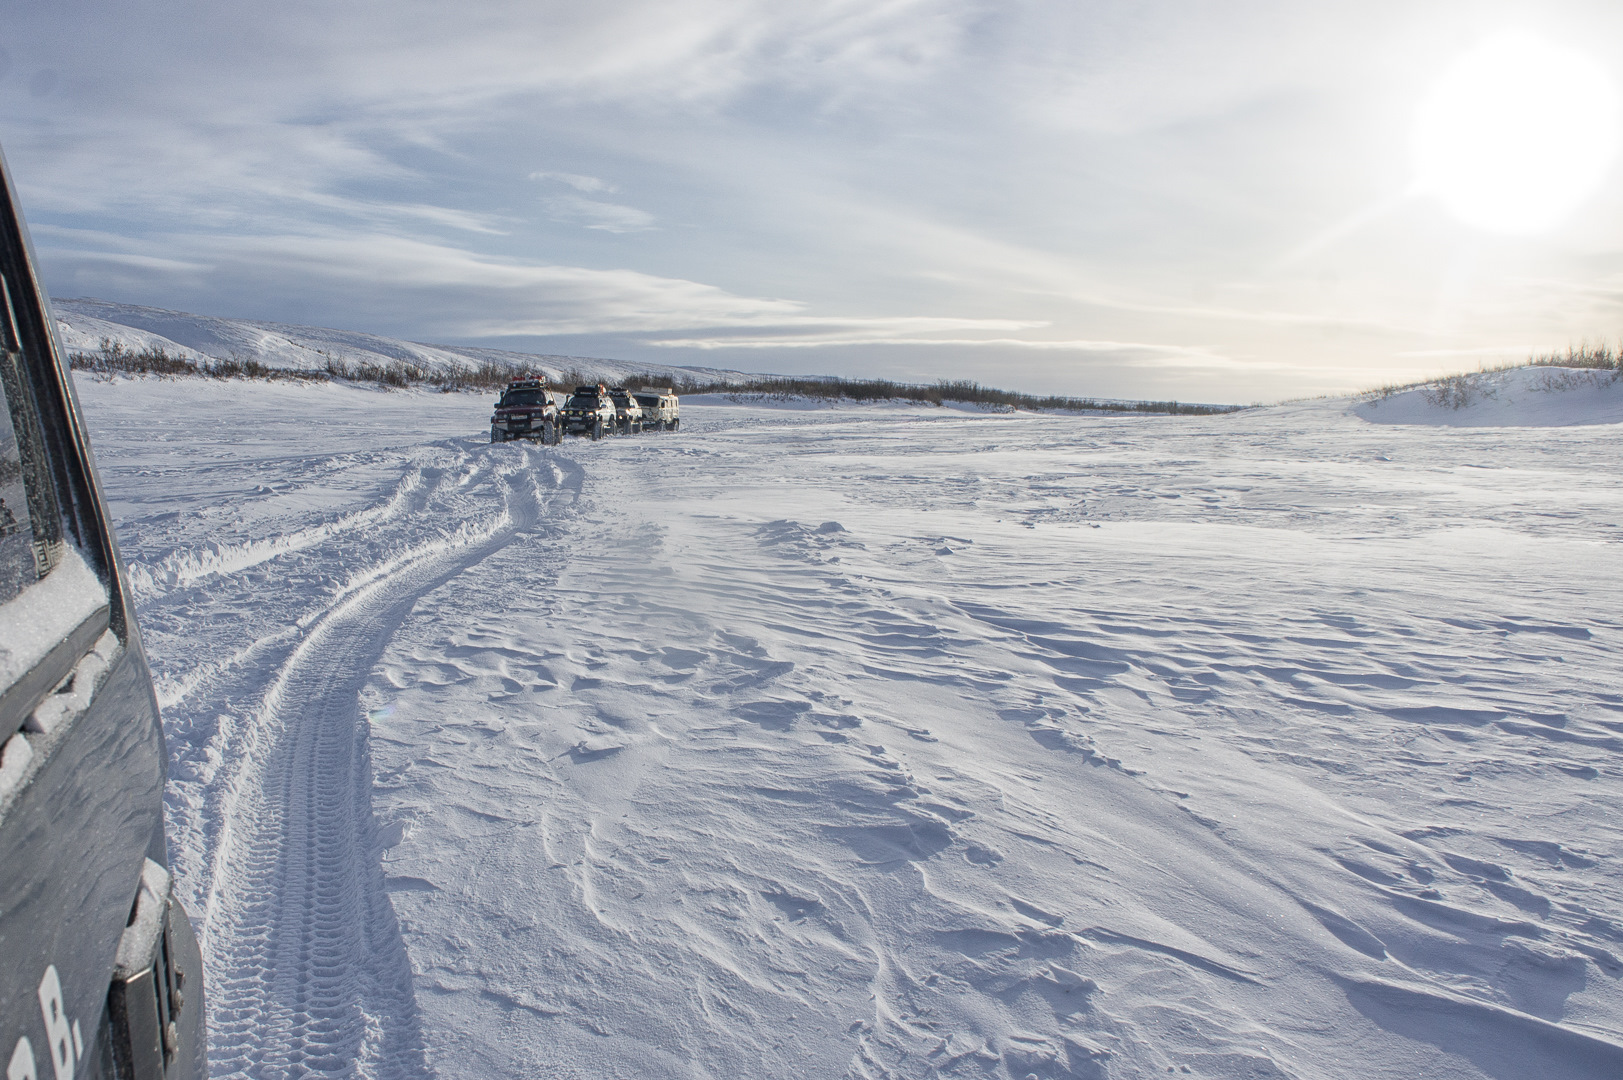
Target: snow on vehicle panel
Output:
[
  {"x": 960, "y": 746},
  {"x": 46, "y": 612}
]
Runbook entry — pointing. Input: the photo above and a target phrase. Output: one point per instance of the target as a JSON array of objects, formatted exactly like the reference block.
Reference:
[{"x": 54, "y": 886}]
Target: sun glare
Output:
[{"x": 1516, "y": 134}]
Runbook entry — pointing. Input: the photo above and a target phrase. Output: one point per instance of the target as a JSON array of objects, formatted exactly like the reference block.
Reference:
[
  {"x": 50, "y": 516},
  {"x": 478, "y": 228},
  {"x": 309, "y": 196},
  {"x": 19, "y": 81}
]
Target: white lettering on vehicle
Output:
[
  {"x": 22, "y": 1065},
  {"x": 58, "y": 1029}
]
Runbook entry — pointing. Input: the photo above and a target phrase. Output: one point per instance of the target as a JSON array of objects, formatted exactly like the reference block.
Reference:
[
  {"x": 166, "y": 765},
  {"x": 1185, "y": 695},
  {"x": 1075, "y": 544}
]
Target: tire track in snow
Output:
[
  {"x": 185, "y": 568},
  {"x": 412, "y": 494},
  {"x": 211, "y": 710},
  {"x": 307, "y": 967}
]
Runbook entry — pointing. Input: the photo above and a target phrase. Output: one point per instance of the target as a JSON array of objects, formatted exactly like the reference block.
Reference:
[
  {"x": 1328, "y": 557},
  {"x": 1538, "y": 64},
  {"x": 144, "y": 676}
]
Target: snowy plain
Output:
[{"x": 885, "y": 741}]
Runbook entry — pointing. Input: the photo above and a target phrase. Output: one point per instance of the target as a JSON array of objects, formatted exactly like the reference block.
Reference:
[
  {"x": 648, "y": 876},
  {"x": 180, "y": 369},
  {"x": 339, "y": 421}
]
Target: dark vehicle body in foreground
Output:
[
  {"x": 589, "y": 411},
  {"x": 526, "y": 410},
  {"x": 100, "y": 974}
]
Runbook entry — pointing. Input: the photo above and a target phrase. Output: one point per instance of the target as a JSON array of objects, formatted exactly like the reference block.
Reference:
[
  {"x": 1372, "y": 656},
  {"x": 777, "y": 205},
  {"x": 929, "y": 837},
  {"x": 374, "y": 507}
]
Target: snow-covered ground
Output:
[{"x": 884, "y": 741}]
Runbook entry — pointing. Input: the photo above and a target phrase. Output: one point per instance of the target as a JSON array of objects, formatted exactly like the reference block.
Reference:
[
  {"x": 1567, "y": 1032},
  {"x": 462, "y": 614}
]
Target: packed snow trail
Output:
[
  {"x": 307, "y": 962},
  {"x": 306, "y": 969},
  {"x": 890, "y": 741}
]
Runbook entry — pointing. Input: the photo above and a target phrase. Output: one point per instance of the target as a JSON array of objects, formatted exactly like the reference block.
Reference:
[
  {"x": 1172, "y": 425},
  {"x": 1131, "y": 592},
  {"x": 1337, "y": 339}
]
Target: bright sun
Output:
[{"x": 1516, "y": 134}]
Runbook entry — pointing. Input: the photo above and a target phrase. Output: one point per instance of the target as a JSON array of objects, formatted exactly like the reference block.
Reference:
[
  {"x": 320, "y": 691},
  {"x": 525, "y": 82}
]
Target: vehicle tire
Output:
[
  {"x": 636, "y": 429},
  {"x": 677, "y": 423},
  {"x": 493, "y": 436},
  {"x": 549, "y": 433},
  {"x": 597, "y": 430}
]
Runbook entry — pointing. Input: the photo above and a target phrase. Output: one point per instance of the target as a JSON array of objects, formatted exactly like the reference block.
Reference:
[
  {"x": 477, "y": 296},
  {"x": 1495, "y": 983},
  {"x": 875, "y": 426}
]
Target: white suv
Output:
[{"x": 660, "y": 410}]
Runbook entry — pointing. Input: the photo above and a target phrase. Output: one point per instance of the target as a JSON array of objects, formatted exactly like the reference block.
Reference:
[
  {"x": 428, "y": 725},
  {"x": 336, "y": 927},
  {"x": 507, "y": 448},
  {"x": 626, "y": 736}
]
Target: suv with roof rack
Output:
[
  {"x": 660, "y": 409},
  {"x": 526, "y": 410},
  {"x": 627, "y": 413},
  {"x": 589, "y": 411}
]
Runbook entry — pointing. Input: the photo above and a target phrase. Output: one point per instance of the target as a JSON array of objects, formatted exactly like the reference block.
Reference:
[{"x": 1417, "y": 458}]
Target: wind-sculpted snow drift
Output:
[{"x": 885, "y": 741}]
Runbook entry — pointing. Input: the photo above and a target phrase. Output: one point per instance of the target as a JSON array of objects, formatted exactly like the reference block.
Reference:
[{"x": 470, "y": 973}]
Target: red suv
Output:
[{"x": 526, "y": 411}]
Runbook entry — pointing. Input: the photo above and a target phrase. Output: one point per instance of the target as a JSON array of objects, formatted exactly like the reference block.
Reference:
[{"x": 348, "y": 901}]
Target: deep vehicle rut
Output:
[{"x": 308, "y": 973}]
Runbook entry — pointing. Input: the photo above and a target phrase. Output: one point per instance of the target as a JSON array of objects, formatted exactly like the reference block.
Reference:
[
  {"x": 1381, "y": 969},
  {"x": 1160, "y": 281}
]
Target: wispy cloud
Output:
[
  {"x": 1103, "y": 190},
  {"x": 594, "y": 214},
  {"x": 588, "y": 184},
  {"x": 1129, "y": 353},
  {"x": 793, "y": 340},
  {"x": 576, "y": 209},
  {"x": 442, "y": 215},
  {"x": 1484, "y": 350},
  {"x": 502, "y": 296},
  {"x": 80, "y": 257}
]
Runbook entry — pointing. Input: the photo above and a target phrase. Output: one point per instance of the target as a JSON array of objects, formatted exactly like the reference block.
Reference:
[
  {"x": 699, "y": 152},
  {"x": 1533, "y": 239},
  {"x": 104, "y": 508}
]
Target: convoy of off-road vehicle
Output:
[{"x": 528, "y": 410}]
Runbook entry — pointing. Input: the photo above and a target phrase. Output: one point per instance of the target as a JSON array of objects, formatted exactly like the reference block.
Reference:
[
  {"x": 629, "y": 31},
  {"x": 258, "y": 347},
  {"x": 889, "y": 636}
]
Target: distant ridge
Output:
[
  {"x": 108, "y": 338},
  {"x": 86, "y": 323}
]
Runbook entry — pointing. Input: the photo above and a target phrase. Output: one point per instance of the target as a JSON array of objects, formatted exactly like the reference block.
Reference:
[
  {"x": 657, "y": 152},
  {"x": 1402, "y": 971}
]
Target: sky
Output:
[{"x": 1244, "y": 201}]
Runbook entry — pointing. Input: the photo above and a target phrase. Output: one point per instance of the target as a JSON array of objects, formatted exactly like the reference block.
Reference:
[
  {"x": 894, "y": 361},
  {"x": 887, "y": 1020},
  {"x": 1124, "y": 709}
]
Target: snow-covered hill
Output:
[
  {"x": 884, "y": 741},
  {"x": 86, "y": 323},
  {"x": 1519, "y": 397}
]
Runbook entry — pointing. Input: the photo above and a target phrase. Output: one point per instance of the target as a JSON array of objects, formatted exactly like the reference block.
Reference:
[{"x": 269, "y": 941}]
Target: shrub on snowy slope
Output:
[
  {"x": 115, "y": 358},
  {"x": 938, "y": 393},
  {"x": 1458, "y": 391},
  {"x": 1525, "y": 396}
]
